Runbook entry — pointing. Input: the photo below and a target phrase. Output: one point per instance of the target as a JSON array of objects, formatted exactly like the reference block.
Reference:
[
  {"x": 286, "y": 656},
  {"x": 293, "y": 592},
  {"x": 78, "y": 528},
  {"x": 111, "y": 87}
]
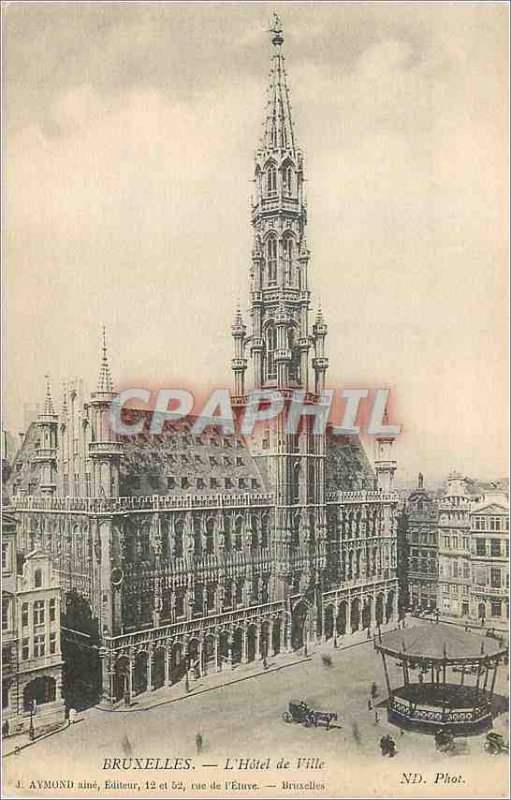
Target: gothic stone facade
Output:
[{"x": 208, "y": 551}]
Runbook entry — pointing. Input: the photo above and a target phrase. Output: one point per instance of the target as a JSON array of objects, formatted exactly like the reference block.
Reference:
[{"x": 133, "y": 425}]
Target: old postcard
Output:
[{"x": 255, "y": 516}]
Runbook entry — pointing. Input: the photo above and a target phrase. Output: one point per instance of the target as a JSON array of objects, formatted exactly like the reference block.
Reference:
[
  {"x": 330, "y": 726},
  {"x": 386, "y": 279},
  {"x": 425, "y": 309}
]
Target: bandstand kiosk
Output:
[{"x": 448, "y": 678}]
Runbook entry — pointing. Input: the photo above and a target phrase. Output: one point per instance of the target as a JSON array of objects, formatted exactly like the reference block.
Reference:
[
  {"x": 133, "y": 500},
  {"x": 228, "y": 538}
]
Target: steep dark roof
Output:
[
  {"x": 179, "y": 462},
  {"x": 347, "y": 465}
]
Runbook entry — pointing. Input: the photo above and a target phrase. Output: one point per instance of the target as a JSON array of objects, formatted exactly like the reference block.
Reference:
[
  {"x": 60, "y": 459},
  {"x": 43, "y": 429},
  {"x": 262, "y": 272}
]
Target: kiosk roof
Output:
[{"x": 438, "y": 641}]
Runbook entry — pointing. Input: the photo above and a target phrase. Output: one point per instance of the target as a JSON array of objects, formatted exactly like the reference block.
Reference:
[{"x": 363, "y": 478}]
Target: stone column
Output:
[
  {"x": 200, "y": 655},
  {"x": 166, "y": 662},
  {"x": 107, "y": 678},
  {"x": 130, "y": 675},
  {"x": 149, "y": 668},
  {"x": 217, "y": 663},
  {"x": 373, "y": 611},
  {"x": 244, "y": 646},
  {"x": 282, "y": 643},
  {"x": 287, "y": 639},
  {"x": 348, "y": 616},
  {"x": 395, "y": 605}
]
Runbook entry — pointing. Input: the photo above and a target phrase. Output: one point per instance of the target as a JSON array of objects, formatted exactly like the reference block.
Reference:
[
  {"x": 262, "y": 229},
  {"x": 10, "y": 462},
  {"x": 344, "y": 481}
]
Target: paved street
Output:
[{"x": 244, "y": 720}]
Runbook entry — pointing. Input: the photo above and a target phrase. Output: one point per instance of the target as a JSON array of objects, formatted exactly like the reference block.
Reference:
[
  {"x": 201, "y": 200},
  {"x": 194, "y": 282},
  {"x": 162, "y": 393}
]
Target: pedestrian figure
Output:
[
  {"x": 126, "y": 746},
  {"x": 356, "y": 733},
  {"x": 369, "y": 705},
  {"x": 384, "y": 745},
  {"x": 374, "y": 689},
  {"x": 326, "y": 661},
  {"x": 376, "y": 717},
  {"x": 391, "y": 747},
  {"x": 198, "y": 743},
  {"x": 265, "y": 662}
]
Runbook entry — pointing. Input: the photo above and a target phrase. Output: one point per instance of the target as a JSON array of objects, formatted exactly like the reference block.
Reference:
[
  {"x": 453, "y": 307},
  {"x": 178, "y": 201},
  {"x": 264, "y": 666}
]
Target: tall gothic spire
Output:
[
  {"x": 279, "y": 341},
  {"x": 105, "y": 379},
  {"x": 278, "y": 131}
]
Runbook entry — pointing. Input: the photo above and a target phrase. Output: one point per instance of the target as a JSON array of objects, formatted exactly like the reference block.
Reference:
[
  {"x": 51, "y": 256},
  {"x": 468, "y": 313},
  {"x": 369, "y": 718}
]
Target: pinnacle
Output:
[
  {"x": 238, "y": 324},
  {"x": 48, "y": 408},
  {"x": 105, "y": 379},
  {"x": 64, "y": 400}
]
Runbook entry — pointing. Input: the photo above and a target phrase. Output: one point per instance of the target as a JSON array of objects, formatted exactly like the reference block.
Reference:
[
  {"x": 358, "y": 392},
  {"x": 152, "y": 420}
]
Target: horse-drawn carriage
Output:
[
  {"x": 495, "y": 744},
  {"x": 299, "y": 711}
]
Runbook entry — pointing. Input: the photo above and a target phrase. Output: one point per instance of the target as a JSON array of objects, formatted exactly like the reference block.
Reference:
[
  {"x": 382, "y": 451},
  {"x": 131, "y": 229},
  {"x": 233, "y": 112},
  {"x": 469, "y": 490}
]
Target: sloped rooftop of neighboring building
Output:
[
  {"x": 496, "y": 499},
  {"x": 25, "y": 472}
]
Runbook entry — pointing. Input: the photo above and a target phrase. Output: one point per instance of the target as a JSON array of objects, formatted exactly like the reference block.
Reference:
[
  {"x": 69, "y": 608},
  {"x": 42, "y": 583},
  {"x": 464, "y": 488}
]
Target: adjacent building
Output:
[
  {"x": 453, "y": 552},
  {"x": 31, "y": 655},
  {"x": 454, "y": 573},
  {"x": 489, "y": 536},
  {"x": 418, "y": 550}
]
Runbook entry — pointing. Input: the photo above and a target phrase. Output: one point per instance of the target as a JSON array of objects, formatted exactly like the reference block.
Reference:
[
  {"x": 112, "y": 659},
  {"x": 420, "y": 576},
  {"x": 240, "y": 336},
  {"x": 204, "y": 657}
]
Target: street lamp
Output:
[
  {"x": 187, "y": 669},
  {"x": 33, "y": 709}
]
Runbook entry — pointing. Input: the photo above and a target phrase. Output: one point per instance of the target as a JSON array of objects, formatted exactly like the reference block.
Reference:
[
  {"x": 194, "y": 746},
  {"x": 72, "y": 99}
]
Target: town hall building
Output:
[{"x": 208, "y": 551}]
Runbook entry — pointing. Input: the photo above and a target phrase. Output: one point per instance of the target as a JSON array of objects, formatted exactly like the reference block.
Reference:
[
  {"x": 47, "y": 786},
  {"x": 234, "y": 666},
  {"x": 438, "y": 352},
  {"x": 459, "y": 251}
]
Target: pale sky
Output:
[{"x": 129, "y": 133}]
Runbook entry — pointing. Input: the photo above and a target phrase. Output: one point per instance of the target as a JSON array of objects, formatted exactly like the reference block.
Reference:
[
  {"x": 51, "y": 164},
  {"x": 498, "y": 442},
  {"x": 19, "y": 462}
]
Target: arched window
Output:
[
  {"x": 264, "y": 530},
  {"x": 178, "y": 538},
  {"x": 255, "y": 538},
  {"x": 271, "y": 346},
  {"x": 210, "y": 542},
  {"x": 271, "y": 249},
  {"x": 197, "y": 536},
  {"x": 271, "y": 180},
  {"x": 41, "y": 690},
  {"x": 227, "y": 534},
  {"x": 288, "y": 259},
  {"x": 287, "y": 179},
  {"x": 238, "y": 526},
  {"x": 294, "y": 364}
]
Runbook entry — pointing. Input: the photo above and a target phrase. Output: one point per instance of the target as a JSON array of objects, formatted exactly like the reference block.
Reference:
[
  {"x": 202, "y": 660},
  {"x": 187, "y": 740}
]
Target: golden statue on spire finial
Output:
[{"x": 277, "y": 30}]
